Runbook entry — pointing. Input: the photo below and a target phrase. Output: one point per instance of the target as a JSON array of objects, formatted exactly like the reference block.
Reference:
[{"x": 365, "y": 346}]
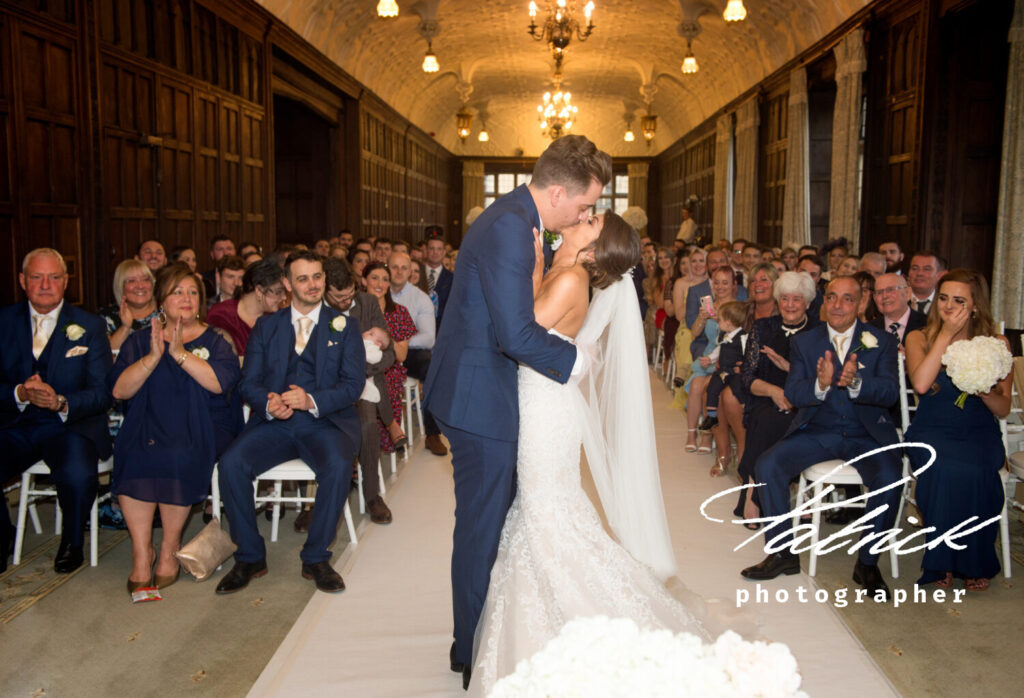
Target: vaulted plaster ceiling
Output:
[{"x": 489, "y": 62}]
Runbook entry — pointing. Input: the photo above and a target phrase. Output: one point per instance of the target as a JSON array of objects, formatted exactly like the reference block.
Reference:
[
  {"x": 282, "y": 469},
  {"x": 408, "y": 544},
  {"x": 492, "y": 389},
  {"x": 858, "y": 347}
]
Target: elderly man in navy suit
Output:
[
  {"x": 54, "y": 362},
  {"x": 488, "y": 329},
  {"x": 304, "y": 371},
  {"x": 843, "y": 380}
]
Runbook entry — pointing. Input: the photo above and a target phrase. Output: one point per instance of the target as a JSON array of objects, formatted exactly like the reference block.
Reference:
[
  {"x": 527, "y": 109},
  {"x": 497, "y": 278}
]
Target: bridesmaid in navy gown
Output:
[
  {"x": 181, "y": 412},
  {"x": 964, "y": 479}
]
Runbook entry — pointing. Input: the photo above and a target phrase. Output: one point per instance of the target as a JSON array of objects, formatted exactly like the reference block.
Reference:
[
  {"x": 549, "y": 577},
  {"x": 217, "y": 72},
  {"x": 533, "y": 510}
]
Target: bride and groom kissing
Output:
[{"x": 516, "y": 397}]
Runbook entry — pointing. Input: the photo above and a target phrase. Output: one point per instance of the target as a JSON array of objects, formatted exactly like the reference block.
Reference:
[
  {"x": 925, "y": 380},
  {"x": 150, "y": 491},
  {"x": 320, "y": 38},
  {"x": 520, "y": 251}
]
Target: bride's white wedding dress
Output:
[{"x": 555, "y": 561}]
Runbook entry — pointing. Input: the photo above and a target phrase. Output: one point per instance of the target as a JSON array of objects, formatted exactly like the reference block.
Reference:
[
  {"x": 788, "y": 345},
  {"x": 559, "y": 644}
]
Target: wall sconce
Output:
[
  {"x": 463, "y": 123},
  {"x": 648, "y": 126}
]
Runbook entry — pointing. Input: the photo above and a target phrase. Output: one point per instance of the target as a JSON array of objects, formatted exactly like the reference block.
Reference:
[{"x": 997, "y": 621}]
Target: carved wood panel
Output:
[{"x": 774, "y": 143}]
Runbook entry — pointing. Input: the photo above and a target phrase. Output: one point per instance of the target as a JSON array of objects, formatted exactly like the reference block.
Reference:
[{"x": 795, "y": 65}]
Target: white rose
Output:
[
  {"x": 555, "y": 243},
  {"x": 338, "y": 323},
  {"x": 868, "y": 340},
  {"x": 74, "y": 332},
  {"x": 202, "y": 352}
]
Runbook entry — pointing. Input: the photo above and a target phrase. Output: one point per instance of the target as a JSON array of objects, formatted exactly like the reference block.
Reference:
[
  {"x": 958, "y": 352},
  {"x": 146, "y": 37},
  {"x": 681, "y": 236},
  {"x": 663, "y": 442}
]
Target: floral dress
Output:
[{"x": 400, "y": 327}]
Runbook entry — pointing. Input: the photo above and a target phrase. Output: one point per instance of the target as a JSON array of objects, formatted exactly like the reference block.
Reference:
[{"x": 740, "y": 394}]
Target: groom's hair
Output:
[
  {"x": 616, "y": 251},
  {"x": 572, "y": 162}
]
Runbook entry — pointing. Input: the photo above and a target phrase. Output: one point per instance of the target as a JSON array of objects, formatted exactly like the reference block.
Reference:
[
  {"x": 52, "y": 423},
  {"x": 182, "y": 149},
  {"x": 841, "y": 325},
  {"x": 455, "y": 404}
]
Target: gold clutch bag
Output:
[{"x": 205, "y": 553}]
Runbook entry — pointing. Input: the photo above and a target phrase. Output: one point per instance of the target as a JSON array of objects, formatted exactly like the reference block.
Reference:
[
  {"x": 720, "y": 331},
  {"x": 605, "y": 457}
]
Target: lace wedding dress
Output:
[{"x": 555, "y": 561}]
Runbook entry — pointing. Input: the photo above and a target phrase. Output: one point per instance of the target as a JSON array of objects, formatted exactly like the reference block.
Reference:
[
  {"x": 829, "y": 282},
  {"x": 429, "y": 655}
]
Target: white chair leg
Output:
[
  {"x": 394, "y": 461},
  {"x": 58, "y": 518},
  {"x": 215, "y": 494},
  {"x": 816, "y": 524},
  {"x": 276, "y": 516},
  {"x": 380, "y": 477},
  {"x": 351, "y": 524},
  {"x": 34, "y": 515},
  {"x": 359, "y": 486},
  {"x": 19, "y": 535},
  {"x": 418, "y": 392},
  {"x": 94, "y": 524},
  {"x": 1004, "y": 535}
]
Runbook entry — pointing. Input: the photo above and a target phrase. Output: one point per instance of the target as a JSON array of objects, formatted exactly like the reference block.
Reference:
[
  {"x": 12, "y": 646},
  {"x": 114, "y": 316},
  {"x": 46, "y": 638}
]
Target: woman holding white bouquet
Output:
[{"x": 960, "y": 368}]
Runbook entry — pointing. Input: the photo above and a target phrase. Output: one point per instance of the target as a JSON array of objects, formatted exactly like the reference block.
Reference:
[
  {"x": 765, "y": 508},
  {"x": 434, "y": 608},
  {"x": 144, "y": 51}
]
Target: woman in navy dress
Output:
[
  {"x": 180, "y": 413},
  {"x": 964, "y": 479}
]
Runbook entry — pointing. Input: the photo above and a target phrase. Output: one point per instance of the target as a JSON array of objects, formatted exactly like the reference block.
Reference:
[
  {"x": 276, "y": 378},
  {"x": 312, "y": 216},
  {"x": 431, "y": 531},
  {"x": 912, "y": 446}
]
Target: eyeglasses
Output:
[
  {"x": 888, "y": 289},
  {"x": 276, "y": 291}
]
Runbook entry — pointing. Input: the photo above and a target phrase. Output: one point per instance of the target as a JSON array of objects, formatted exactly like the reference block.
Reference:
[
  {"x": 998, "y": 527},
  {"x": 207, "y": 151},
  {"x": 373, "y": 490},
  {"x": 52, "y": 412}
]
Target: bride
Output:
[{"x": 555, "y": 561}]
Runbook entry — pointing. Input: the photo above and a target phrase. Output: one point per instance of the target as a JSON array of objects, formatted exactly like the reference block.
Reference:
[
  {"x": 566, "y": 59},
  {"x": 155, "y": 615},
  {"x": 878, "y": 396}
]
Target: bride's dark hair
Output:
[{"x": 616, "y": 251}]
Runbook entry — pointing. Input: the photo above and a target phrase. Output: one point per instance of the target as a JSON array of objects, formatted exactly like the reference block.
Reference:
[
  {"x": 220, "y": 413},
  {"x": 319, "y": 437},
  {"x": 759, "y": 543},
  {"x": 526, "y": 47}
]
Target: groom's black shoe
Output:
[
  {"x": 457, "y": 666},
  {"x": 772, "y": 566},
  {"x": 870, "y": 578}
]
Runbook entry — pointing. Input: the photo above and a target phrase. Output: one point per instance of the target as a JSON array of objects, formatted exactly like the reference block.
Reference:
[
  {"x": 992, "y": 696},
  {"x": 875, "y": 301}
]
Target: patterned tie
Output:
[
  {"x": 302, "y": 336},
  {"x": 431, "y": 280},
  {"x": 39, "y": 335},
  {"x": 895, "y": 329},
  {"x": 839, "y": 342}
]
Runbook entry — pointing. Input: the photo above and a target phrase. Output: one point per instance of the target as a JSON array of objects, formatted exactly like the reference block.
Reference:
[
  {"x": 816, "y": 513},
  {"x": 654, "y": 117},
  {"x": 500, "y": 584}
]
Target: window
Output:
[
  {"x": 501, "y": 183},
  {"x": 615, "y": 195}
]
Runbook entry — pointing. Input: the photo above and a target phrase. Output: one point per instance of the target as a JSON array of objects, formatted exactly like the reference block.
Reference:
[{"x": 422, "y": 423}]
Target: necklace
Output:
[{"x": 790, "y": 331}]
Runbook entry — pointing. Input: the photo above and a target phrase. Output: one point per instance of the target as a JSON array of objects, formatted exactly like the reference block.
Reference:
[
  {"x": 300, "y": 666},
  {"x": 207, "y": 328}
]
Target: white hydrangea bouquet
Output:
[
  {"x": 975, "y": 365},
  {"x": 604, "y": 657}
]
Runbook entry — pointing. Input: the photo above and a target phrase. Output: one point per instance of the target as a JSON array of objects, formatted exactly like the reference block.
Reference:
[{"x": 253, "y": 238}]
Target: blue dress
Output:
[
  {"x": 961, "y": 483},
  {"x": 711, "y": 334},
  {"x": 174, "y": 429}
]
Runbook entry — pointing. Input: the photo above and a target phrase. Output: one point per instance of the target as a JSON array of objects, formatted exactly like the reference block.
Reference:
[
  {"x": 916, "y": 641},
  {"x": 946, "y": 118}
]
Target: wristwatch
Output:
[
  {"x": 854, "y": 383},
  {"x": 62, "y": 402}
]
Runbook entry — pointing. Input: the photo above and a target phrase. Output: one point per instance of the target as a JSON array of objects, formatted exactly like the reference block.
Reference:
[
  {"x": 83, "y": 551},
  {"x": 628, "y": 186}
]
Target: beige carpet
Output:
[{"x": 389, "y": 634}]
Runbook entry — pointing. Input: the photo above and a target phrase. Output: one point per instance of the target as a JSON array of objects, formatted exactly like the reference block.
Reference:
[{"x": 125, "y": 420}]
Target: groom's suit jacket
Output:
[
  {"x": 81, "y": 378},
  {"x": 879, "y": 387},
  {"x": 489, "y": 326},
  {"x": 340, "y": 374}
]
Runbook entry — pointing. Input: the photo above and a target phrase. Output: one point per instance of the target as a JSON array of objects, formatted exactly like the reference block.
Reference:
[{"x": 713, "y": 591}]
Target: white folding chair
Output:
[
  {"x": 30, "y": 494},
  {"x": 658, "y": 349},
  {"x": 670, "y": 374},
  {"x": 294, "y": 469},
  {"x": 412, "y": 402}
]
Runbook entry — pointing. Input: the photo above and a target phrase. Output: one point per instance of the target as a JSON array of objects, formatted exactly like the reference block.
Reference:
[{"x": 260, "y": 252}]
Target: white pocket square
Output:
[
  {"x": 860, "y": 365},
  {"x": 330, "y": 343},
  {"x": 75, "y": 351}
]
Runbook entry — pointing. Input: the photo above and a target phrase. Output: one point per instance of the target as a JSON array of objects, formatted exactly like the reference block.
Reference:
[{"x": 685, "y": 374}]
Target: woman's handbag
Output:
[{"x": 207, "y": 551}]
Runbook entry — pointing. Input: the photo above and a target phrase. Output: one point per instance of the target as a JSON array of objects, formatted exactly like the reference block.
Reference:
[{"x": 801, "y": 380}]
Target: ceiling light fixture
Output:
[
  {"x": 735, "y": 11},
  {"x": 561, "y": 25},
  {"x": 464, "y": 123},
  {"x": 630, "y": 136},
  {"x": 689, "y": 66},
  {"x": 430, "y": 64},
  {"x": 556, "y": 113},
  {"x": 649, "y": 126},
  {"x": 387, "y": 8},
  {"x": 689, "y": 29},
  {"x": 483, "y": 137}
]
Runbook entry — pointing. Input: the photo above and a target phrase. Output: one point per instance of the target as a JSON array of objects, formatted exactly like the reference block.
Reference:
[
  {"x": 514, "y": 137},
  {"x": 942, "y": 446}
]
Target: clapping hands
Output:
[{"x": 826, "y": 371}]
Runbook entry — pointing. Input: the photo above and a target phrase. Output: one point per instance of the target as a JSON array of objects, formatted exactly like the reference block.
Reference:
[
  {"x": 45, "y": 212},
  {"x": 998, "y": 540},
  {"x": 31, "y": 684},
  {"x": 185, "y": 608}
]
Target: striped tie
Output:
[{"x": 431, "y": 280}]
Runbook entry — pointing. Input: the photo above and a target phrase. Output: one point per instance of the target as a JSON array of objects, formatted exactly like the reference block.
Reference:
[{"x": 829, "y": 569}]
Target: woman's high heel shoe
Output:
[
  {"x": 720, "y": 466},
  {"x": 691, "y": 447},
  {"x": 704, "y": 448},
  {"x": 134, "y": 586},
  {"x": 162, "y": 581}
]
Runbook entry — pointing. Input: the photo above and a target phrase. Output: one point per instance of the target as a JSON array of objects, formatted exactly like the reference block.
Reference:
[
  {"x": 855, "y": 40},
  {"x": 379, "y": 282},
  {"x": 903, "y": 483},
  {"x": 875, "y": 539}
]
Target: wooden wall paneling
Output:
[
  {"x": 253, "y": 175},
  {"x": 208, "y": 171},
  {"x": 773, "y": 143},
  {"x": 699, "y": 179},
  {"x": 231, "y": 171},
  {"x": 671, "y": 167},
  {"x": 821, "y": 101},
  {"x": 8, "y": 156},
  {"x": 175, "y": 123}
]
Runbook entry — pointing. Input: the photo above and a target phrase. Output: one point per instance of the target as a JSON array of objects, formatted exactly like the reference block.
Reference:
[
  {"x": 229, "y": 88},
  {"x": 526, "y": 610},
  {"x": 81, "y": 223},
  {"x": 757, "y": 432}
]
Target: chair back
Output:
[{"x": 908, "y": 399}]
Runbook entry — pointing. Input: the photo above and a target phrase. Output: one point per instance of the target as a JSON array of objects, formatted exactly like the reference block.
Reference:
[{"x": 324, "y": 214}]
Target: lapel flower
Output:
[
  {"x": 74, "y": 332},
  {"x": 202, "y": 352},
  {"x": 338, "y": 324},
  {"x": 554, "y": 240},
  {"x": 867, "y": 341}
]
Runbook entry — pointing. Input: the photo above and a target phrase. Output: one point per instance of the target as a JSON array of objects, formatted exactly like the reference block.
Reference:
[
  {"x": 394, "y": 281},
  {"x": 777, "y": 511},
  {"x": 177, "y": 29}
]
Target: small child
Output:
[
  {"x": 374, "y": 340},
  {"x": 727, "y": 352}
]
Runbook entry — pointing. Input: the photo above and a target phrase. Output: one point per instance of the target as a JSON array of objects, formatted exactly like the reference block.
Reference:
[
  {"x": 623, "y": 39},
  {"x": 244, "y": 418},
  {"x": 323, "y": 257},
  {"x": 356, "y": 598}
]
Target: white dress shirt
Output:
[
  {"x": 849, "y": 338},
  {"x": 421, "y": 308},
  {"x": 901, "y": 331},
  {"x": 313, "y": 315}
]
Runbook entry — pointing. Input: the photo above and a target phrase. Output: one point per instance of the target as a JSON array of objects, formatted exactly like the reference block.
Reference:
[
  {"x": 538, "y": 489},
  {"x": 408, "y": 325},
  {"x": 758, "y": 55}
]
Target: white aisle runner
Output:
[{"x": 389, "y": 633}]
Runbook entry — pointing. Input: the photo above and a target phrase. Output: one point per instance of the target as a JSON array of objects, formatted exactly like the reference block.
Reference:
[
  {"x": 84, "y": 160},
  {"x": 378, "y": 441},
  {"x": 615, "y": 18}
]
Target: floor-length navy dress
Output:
[
  {"x": 961, "y": 483},
  {"x": 174, "y": 429}
]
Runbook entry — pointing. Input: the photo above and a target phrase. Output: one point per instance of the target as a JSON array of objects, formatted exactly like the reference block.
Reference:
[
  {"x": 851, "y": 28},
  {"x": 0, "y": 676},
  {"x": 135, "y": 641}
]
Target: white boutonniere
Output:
[
  {"x": 867, "y": 341},
  {"x": 74, "y": 332},
  {"x": 554, "y": 240},
  {"x": 202, "y": 352},
  {"x": 338, "y": 324}
]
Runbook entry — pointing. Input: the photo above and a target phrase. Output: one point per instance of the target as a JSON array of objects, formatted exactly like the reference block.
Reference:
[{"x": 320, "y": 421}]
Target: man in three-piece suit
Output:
[
  {"x": 54, "y": 362},
  {"x": 304, "y": 371},
  {"x": 489, "y": 328},
  {"x": 842, "y": 380}
]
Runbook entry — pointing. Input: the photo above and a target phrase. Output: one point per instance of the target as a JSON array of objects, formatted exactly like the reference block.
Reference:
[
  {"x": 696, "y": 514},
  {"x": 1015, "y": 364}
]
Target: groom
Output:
[{"x": 488, "y": 329}]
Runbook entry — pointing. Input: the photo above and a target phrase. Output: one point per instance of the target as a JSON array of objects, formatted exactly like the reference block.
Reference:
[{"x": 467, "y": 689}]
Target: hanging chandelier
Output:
[
  {"x": 561, "y": 25},
  {"x": 734, "y": 11},
  {"x": 556, "y": 113}
]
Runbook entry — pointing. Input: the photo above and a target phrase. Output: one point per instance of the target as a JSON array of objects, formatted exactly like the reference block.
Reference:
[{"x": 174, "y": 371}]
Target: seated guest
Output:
[
  {"x": 185, "y": 255},
  {"x": 262, "y": 294},
  {"x": 421, "y": 309},
  {"x": 439, "y": 279},
  {"x": 964, "y": 481},
  {"x": 834, "y": 252},
  {"x": 891, "y": 297},
  {"x": 220, "y": 246},
  {"x": 926, "y": 268},
  {"x": 53, "y": 366},
  {"x": 322, "y": 247},
  {"x": 400, "y": 246},
  {"x": 847, "y": 266},
  {"x": 401, "y": 328},
  {"x": 727, "y": 355},
  {"x": 151, "y": 252},
  {"x": 247, "y": 248},
  {"x": 359, "y": 259},
  {"x": 251, "y": 258},
  {"x": 812, "y": 265},
  {"x": 789, "y": 258},
  {"x": 841, "y": 387},
  {"x": 134, "y": 305},
  {"x": 873, "y": 263},
  {"x": 230, "y": 270},
  {"x": 342, "y": 295},
  {"x": 418, "y": 249},
  {"x": 867, "y": 312},
  {"x": 767, "y": 413},
  {"x": 338, "y": 251},
  {"x": 893, "y": 256},
  {"x": 381, "y": 250},
  {"x": 176, "y": 381},
  {"x": 416, "y": 276},
  {"x": 304, "y": 371}
]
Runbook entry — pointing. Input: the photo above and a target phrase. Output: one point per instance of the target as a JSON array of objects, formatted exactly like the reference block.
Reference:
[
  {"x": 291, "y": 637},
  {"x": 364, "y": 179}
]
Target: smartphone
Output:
[{"x": 708, "y": 303}]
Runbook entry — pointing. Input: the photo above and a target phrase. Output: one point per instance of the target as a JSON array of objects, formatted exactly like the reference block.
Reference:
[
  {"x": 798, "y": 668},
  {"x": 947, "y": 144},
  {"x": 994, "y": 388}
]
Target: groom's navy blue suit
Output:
[
  {"x": 472, "y": 388},
  {"x": 838, "y": 427}
]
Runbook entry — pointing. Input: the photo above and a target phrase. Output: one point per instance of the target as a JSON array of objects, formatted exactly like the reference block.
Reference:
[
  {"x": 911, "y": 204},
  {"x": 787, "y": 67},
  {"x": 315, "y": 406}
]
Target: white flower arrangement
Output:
[
  {"x": 867, "y": 341},
  {"x": 601, "y": 656},
  {"x": 975, "y": 365},
  {"x": 74, "y": 332},
  {"x": 338, "y": 324},
  {"x": 636, "y": 217},
  {"x": 202, "y": 352},
  {"x": 554, "y": 240}
]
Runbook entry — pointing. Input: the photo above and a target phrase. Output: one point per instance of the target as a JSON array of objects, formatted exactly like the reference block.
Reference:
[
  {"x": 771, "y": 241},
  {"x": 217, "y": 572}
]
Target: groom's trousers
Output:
[{"x": 485, "y": 475}]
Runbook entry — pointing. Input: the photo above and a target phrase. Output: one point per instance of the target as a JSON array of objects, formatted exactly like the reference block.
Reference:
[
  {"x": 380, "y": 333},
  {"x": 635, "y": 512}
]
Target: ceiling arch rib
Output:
[{"x": 633, "y": 44}]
